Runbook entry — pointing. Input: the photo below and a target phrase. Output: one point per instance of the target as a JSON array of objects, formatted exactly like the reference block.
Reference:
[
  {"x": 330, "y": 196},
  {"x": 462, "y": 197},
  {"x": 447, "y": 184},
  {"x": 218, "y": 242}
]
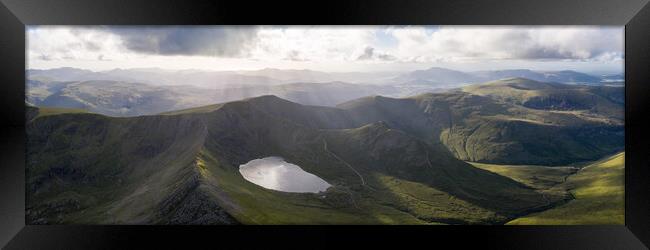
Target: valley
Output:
[
  {"x": 599, "y": 197},
  {"x": 505, "y": 151}
]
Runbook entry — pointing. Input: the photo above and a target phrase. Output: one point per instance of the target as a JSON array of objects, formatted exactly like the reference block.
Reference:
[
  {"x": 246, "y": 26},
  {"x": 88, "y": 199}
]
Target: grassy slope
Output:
[
  {"x": 45, "y": 111},
  {"x": 392, "y": 199},
  {"x": 431, "y": 204},
  {"x": 599, "y": 197},
  {"x": 132, "y": 196},
  {"x": 256, "y": 205},
  {"x": 390, "y": 194},
  {"x": 538, "y": 177},
  {"x": 381, "y": 201},
  {"x": 202, "y": 109},
  {"x": 484, "y": 129},
  {"x": 98, "y": 169},
  {"x": 600, "y": 101},
  {"x": 396, "y": 154}
]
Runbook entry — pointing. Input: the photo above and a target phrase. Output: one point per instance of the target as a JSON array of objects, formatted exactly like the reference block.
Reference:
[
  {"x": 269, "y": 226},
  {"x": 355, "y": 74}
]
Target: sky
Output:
[{"x": 591, "y": 49}]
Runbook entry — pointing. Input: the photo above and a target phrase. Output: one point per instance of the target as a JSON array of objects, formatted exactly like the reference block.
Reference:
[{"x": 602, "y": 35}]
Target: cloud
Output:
[
  {"x": 369, "y": 53},
  {"x": 102, "y": 58},
  {"x": 310, "y": 46},
  {"x": 314, "y": 44},
  {"x": 295, "y": 55},
  {"x": 91, "y": 42},
  {"x": 188, "y": 41},
  {"x": 44, "y": 57},
  {"x": 52, "y": 43},
  {"x": 449, "y": 43}
]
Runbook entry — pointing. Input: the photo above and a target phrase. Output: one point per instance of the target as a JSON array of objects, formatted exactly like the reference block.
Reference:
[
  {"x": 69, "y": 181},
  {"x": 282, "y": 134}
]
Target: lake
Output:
[{"x": 275, "y": 173}]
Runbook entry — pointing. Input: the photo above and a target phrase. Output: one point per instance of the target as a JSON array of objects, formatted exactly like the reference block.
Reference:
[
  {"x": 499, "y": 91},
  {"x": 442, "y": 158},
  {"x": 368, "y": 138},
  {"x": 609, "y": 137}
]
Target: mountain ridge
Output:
[
  {"x": 456, "y": 78},
  {"x": 449, "y": 119},
  {"x": 233, "y": 135},
  {"x": 378, "y": 152}
]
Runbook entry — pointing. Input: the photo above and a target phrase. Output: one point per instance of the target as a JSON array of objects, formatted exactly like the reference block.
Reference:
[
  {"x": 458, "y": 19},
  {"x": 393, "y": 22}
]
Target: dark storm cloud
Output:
[{"x": 190, "y": 41}]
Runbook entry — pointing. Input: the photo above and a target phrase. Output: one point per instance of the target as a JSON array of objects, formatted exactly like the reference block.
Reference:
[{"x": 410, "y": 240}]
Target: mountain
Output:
[
  {"x": 157, "y": 90},
  {"x": 604, "y": 101},
  {"x": 494, "y": 122},
  {"x": 208, "y": 79},
  {"x": 435, "y": 75},
  {"x": 304, "y": 75},
  {"x": 565, "y": 76},
  {"x": 389, "y": 160},
  {"x": 500, "y": 74},
  {"x": 154, "y": 76},
  {"x": 569, "y": 76},
  {"x": 291, "y": 75},
  {"x": 328, "y": 93},
  {"x": 448, "y": 78},
  {"x": 182, "y": 168},
  {"x": 503, "y": 129},
  {"x": 613, "y": 79},
  {"x": 67, "y": 73},
  {"x": 115, "y": 168},
  {"x": 115, "y": 98}
]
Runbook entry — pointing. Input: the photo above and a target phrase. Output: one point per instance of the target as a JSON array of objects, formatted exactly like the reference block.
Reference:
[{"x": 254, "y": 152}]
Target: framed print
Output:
[{"x": 383, "y": 122}]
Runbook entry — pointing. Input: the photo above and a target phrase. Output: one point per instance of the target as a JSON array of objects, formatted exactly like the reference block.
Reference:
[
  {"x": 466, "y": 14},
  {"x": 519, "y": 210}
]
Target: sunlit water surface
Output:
[{"x": 277, "y": 174}]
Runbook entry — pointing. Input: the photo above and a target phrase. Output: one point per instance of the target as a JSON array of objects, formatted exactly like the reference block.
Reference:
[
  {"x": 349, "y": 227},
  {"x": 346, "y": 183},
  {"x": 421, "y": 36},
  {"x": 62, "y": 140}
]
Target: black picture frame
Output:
[{"x": 634, "y": 14}]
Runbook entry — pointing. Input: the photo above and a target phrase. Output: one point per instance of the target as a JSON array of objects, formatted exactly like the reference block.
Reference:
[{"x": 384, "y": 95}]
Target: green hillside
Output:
[
  {"x": 483, "y": 129},
  {"x": 596, "y": 102},
  {"x": 33, "y": 112},
  {"x": 599, "y": 193},
  {"x": 389, "y": 161},
  {"x": 87, "y": 168},
  {"x": 538, "y": 177},
  {"x": 352, "y": 160}
]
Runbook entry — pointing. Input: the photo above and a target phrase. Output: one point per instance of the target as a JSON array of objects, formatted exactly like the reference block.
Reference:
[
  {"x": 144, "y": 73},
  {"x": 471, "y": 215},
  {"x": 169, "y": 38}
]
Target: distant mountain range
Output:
[
  {"x": 389, "y": 160},
  {"x": 206, "y": 79},
  {"x": 116, "y": 98},
  {"x": 269, "y": 76},
  {"x": 454, "y": 78},
  {"x": 150, "y": 91}
]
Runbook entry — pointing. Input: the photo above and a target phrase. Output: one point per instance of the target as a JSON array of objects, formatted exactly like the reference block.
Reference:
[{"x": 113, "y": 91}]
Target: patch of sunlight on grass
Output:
[
  {"x": 599, "y": 197},
  {"x": 45, "y": 111}
]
